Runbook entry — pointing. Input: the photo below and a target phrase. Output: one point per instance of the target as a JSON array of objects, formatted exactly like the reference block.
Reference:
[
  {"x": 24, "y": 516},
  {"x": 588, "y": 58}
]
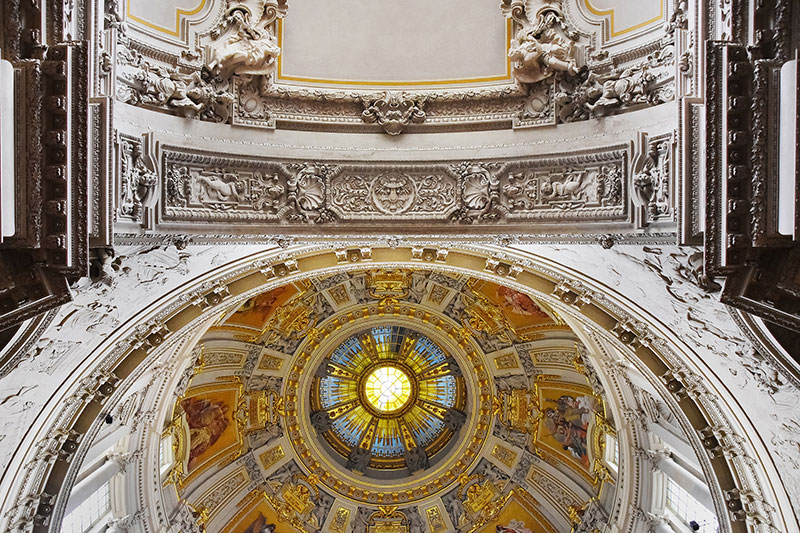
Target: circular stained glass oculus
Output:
[{"x": 389, "y": 390}]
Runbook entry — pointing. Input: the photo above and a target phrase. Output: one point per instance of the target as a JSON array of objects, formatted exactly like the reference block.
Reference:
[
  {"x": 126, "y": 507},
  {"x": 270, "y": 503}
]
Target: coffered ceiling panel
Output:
[
  {"x": 624, "y": 17},
  {"x": 415, "y": 43},
  {"x": 165, "y": 17}
]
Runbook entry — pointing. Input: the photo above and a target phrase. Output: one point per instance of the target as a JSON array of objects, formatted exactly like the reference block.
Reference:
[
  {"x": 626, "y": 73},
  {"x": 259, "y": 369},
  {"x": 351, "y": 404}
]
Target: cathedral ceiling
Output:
[
  {"x": 265, "y": 83},
  {"x": 415, "y": 398},
  {"x": 415, "y": 65},
  {"x": 229, "y": 337},
  {"x": 249, "y": 121}
]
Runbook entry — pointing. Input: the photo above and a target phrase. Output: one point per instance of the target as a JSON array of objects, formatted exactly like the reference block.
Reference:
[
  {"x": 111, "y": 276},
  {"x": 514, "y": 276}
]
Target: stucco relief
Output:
[
  {"x": 244, "y": 42},
  {"x": 204, "y": 187},
  {"x": 552, "y": 488},
  {"x": 306, "y": 192},
  {"x": 392, "y": 194},
  {"x": 558, "y": 73},
  {"x": 393, "y": 112},
  {"x": 542, "y": 47},
  {"x": 600, "y": 92},
  {"x": 189, "y": 188},
  {"x": 652, "y": 179},
  {"x": 192, "y": 95},
  {"x": 138, "y": 180},
  {"x": 555, "y": 191}
]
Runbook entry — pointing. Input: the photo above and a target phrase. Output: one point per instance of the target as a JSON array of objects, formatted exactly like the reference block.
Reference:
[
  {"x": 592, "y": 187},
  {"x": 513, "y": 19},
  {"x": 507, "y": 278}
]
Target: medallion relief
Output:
[{"x": 393, "y": 194}]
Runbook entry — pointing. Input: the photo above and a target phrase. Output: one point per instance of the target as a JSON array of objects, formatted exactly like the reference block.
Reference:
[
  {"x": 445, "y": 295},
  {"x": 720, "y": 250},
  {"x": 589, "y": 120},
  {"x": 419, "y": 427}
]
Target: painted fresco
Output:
[
  {"x": 519, "y": 308},
  {"x": 568, "y": 412},
  {"x": 261, "y": 525},
  {"x": 209, "y": 412},
  {"x": 258, "y": 517},
  {"x": 518, "y": 516},
  {"x": 256, "y": 312}
]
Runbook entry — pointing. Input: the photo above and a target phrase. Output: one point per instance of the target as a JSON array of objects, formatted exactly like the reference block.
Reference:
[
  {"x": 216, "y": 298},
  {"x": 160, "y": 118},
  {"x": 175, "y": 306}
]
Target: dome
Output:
[
  {"x": 392, "y": 392},
  {"x": 390, "y": 412},
  {"x": 471, "y": 393},
  {"x": 451, "y": 266}
]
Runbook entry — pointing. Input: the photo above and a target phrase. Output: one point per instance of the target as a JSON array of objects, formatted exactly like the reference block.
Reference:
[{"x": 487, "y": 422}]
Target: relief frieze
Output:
[
  {"x": 389, "y": 193},
  {"x": 198, "y": 187},
  {"x": 557, "y": 74}
]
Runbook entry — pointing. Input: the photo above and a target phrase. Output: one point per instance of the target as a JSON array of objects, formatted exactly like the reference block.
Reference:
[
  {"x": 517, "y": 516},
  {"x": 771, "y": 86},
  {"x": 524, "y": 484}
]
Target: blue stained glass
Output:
[
  {"x": 435, "y": 394},
  {"x": 429, "y": 351},
  {"x": 428, "y": 430},
  {"x": 349, "y": 429},
  {"x": 388, "y": 339},
  {"x": 334, "y": 390},
  {"x": 442, "y": 389},
  {"x": 387, "y": 441},
  {"x": 347, "y": 351}
]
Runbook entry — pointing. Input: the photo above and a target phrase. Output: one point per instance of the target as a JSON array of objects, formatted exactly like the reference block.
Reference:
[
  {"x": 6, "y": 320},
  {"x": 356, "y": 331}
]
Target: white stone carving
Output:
[
  {"x": 606, "y": 92},
  {"x": 137, "y": 180},
  {"x": 480, "y": 193},
  {"x": 392, "y": 193},
  {"x": 247, "y": 46},
  {"x": 201, "y": 187},
  {"x": 191, "y": 95},
  {"x": 213, "y": 190},
  {"x": 521, "y": 191},
  {"x": 539, "y": 56},
  {"x": 224, "y": 190},
  {"x": 567, "y": 188},
  {"x": 619, "y": 87},
  {"x": 541, "y": 47},
  {"x": 306, "y": 190},
  {"x": 652, "y": 179},
  {"x": 393, "y": 111}
]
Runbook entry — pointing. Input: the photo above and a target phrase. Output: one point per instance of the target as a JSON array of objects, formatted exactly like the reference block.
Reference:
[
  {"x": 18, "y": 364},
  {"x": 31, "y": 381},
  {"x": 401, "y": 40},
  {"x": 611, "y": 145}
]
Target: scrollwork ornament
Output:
[
  {"x": 480, "y": 193},
  {"x": 394, "y": 111},
  {"x": 306, "y": 194}
]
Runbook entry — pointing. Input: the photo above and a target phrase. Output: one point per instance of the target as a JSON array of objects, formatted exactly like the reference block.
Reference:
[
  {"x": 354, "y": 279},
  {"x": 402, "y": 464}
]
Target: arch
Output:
[{"x": 738, "y": 469}]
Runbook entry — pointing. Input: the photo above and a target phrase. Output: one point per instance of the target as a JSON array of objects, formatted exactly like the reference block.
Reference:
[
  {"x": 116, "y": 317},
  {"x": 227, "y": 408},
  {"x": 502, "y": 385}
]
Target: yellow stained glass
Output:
[{"x": 387, "y": 388}]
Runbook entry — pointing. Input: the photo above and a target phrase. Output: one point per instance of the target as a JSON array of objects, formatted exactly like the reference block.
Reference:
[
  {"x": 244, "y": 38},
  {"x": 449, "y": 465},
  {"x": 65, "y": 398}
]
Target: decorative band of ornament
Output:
[{"x": 247, "y": 190}]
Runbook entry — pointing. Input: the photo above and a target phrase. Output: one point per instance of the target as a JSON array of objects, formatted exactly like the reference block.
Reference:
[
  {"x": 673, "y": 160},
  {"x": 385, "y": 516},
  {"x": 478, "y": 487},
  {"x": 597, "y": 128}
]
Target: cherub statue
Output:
[
  {"x": 537, "y": 56},
  {"x": 248, "y": 49}
]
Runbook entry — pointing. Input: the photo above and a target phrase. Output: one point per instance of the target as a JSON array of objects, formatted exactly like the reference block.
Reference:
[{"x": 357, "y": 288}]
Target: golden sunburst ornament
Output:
[
  {"x": 386, "y": 398},
  {"x": 387, "y": 389}
]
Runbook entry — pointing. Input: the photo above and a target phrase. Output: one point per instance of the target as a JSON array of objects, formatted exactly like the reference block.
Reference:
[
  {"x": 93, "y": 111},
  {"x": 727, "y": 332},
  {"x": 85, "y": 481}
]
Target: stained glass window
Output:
[{"x": 389, "y": 390}]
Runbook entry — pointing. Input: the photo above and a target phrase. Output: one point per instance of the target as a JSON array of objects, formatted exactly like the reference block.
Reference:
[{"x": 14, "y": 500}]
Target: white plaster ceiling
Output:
[
  {"x": 166, "y": 17},
  {"x": 623, "y": 17},
  {"x": 389, "y": 44},
  {"x": 406, "y": 44}
]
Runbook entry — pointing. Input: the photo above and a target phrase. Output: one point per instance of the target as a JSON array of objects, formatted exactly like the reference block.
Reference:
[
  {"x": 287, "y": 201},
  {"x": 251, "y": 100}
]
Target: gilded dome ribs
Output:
[{"x": 387, "y": 391}]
